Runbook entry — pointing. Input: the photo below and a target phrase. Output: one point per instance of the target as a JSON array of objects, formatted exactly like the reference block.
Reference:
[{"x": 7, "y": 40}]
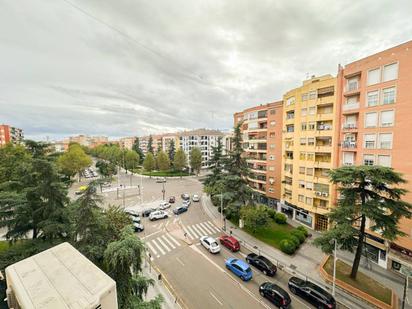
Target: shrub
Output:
[
  {"x": 303, "y": 229},
  {"x": 271, "y": 213},
  {"x": 280, "y": 218},
  {"x": 215, "y": 200},
  {"x": 295, "y": 240},
  {"x": 298, "y": 234},
  {"x": 288, "y": 246}
]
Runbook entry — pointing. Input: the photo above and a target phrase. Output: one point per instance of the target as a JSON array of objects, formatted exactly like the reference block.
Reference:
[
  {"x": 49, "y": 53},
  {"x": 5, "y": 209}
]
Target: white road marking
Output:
[
  {"x": 192, "y": 232},
  {"x": 197, "y": 231},
  {"x": 188, "y": 233},
  {"x": 152, "y": 249},
  {"x": 175, "y": 219},
  {"x": 158, "y": 247},
  {"x": 180, "y": 261},
  {"x": 163, "y": 244},
  {"x": 150, "y": 235},
  {"x": 206, "y": 228},
  {"x": 220, "y": 303},
  {"x": 213, "y": 226},
  {"x": 168, "y": 241},
  {"x": 174, "y": 240},
  {"x": 202, "y": 229}
]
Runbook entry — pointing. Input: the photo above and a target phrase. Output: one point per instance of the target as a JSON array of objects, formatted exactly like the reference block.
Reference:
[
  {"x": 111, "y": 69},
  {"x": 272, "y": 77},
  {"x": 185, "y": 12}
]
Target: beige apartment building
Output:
[
  {"x": 262, "y": 141},
  {"x": 309, "y": 133},
  {"x": 375, "y": 101}
]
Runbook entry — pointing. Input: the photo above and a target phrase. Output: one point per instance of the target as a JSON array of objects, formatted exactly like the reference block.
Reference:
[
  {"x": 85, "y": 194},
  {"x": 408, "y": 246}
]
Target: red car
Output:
[
  {"x": 230, "y": 242},
  {"x": 172, "y": 199}
]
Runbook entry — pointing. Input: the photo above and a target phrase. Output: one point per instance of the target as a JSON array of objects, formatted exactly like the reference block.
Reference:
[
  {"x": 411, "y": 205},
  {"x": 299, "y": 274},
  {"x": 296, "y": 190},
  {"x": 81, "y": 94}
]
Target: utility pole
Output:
[
  {"x": 163, "y": 190},
  {"x": 334, "y": 270},
  {"x": 221, "y": 209}
]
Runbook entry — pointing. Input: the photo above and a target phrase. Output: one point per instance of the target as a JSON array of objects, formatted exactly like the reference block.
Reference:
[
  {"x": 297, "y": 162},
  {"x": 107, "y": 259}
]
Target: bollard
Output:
[{"x": 159, "y": 277}]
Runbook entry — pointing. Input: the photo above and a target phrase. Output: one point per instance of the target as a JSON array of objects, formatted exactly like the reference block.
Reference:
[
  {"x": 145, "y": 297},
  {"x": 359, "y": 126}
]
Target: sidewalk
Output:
[{"x": 307, "y": 260}]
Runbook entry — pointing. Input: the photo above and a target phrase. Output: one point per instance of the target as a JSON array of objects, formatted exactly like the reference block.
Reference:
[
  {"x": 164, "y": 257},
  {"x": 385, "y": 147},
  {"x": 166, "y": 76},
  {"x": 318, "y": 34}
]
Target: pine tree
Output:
[
  {"x": 150, "y": 145},
  {"x": 171, "y": 151},
  {"x": 163, "y": 163},
  {"x": 196, "y": 160},
  {"x": 180, "y": 161},
  {"x": 136, "y": 147},
  {"x": 149, "y": 163}
]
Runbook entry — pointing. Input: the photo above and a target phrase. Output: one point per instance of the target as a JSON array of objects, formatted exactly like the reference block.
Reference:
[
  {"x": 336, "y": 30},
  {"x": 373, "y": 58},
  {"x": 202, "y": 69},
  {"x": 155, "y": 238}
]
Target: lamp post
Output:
[
  {"x": 163, "y": 190},
  {"x": 334, "y": 268},
  {"x": 407, "y": 272}
]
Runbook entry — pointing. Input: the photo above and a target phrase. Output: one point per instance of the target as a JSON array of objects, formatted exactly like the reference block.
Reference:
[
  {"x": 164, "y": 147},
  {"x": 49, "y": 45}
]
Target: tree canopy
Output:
[
  {"x": 196, "y": 159},
  {"x": 149, "y": 163},
  {"x": 162, "y": 160},
  {"x": 180, "y": 161},
  {"x": 73, "y": 161}
]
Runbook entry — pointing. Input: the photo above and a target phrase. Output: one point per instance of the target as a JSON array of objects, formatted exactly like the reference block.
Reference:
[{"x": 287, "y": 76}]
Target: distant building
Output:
[
  {"x": 60, "y": 277},
  {"x": 85, "y": 140},
  {"x": 127, "y": 142},
  {"x": 9, "y": 134},
  {"x": 227, "y": 142}
]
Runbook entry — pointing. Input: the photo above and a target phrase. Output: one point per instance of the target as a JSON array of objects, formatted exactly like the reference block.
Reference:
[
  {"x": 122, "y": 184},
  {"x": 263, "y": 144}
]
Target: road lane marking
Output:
[
  {"x": 152, "y": 249},
  {"x": 213, "y": 226},
  {"x": 198, "y": 231},
  {"x": 150, "y": 235},
  {"x": 206, "y": 228},
  {"x": 188, "y": 233},
  {"x": 168, "y": 241},
  {"x": 158, "y": 247},
  {"x": 163, "y": 244},
  {"x": 220, "y": 303},
  {"x": 194, "y": 234},
  {"x": 174, "y": 240},
  {"x": 202, "y": 229},
  {"x": 180, "y": 261}
]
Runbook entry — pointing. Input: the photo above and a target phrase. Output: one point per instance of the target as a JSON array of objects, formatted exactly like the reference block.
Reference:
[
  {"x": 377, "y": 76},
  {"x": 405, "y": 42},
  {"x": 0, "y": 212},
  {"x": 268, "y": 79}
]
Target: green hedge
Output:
[
  {"x": 303, "y": 229},
  {"x": 288, "y": 246},
  {"x": 299, "y": 235},
  {"x": 280, "y": 218}
]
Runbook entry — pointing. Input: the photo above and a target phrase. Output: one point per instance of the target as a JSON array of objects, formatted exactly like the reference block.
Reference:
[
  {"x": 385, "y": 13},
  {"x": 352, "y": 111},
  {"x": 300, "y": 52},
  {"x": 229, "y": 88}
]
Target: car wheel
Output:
[
  {"x": 262, "y": 294},
  {"x": 293, "y": 290},
  {"x": 243, "y": 278},
  {"x": 265, "y": 272},
  {"x": 247, "y": 260}
]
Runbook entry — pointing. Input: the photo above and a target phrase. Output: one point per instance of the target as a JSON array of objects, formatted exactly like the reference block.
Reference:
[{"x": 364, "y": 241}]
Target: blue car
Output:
[{"x": 239, "y": 268}]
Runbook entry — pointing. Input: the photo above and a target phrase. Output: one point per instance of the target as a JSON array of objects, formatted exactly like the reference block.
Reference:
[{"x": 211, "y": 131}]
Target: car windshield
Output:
[
  {"x": 266, "y": 261},
  {"x": 248, "y": 270},
  {"x": 214, "y": 244}
]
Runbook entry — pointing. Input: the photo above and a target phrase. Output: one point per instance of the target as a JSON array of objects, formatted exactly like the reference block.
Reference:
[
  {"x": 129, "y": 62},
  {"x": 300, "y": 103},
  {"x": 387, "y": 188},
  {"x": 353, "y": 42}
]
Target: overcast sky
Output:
[{"x": 134, "y": 67}]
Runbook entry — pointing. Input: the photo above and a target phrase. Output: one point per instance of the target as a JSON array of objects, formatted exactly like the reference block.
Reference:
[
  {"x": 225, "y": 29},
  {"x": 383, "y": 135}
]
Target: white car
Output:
[
  {"x": 195, "y": 198},
  {"x": 164, "y": 205},
  {"x": 210, "y": 244},
  {"x": 138, "y": 227},
  {"x": 160, "y": 179},
  {"x": 132, "y": 212},
  {"x": 158, "y": 214},
  {"x": 135, "y": 219}
]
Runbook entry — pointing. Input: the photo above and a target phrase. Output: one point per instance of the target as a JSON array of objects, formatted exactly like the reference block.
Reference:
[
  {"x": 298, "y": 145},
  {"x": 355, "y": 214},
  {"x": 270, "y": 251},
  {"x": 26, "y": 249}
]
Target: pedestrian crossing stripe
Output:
[
  {"x": 158, "y": 246},
  {"x": 198, "y": 230},
  {"x": 152, "y": 249}
]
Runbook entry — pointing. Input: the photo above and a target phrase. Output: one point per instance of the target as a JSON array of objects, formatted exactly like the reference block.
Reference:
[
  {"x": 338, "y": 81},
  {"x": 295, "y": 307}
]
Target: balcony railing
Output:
[
  {"x": 347, "y": 144},
  {"x": 353, "y": 86},
  {"x": 350, "y": 106},
  {"x": 349, "y": 126}
]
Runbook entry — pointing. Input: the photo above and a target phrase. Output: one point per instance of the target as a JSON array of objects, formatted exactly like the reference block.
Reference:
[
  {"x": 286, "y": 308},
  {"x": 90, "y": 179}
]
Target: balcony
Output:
[
  {"x": 352, "y": 86},
  {"x": 349, "y": 145},
  {"x": 349, "y": 127},
  {"x": 350, "y": 107},
  {"x": 324, "y": 116}
]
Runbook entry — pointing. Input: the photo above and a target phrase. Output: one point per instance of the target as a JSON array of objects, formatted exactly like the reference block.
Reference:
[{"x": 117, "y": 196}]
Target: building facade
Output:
[
  {"x": 9, "y": 134},
  {"x": 86, "y": 140},
  {"x": 127, "y": 142},
  {"x": 375, "y": 120},
  {"x": 309, "y": 133},
  {"x": 261, "y": 128}
]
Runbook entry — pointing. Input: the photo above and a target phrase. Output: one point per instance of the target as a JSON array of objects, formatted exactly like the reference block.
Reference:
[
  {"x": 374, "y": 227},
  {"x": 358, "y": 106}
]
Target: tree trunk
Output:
[{"x": 359, "y": 248}]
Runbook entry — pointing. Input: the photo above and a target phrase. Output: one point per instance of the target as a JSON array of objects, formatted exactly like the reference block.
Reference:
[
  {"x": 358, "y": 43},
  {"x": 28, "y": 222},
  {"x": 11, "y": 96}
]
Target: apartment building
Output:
[
  {"x": 86, "y": 140},
  {"x": 156, "y": 142},
  {"x": 9, "y": 134},
  {"x": 309, "y": 133},
  {"x": 262, "y": 141},
  {"x": 376, "y": 119},
  {"x": 127, "y": 142},
  {"x": 167, "y": 139},
  {"x": 204, "y": 139}
]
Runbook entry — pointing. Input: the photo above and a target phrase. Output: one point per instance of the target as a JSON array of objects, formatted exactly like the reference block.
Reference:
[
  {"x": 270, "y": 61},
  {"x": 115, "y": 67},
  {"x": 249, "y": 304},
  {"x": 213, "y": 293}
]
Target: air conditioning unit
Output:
[
  {"x": 325, "y": 194},
  {"x": 318, "y": 193}
]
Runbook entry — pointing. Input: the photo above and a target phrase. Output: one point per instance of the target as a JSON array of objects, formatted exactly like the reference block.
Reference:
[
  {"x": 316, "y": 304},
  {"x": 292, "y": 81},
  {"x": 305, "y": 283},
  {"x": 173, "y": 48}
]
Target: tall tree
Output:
[
  {"x": 196, "y": 160},
  {"x": 131, "y": 160},
  {"x": 171, "y": 151},
  {"x": 136, "y": 147},
  {"x": 366, "y": 192},
  {"x": 159, "y": 147},
  {"x": 75, "y": 160},
  {"x": 180, "y": 161},
  {"x": 149, "y": 163},
  {"x": 255, "y": 217},
  {"x": 216, "y": 165},
  {"x": 150, "y": 145},
  {"x": 162, "y": 161}
]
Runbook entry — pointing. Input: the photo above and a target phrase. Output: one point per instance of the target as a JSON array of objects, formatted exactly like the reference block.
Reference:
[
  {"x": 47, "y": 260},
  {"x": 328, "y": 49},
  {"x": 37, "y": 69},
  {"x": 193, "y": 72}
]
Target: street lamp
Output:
[
  {"x": 334, "y": 266},
  {"x": 223, "y": 221}
]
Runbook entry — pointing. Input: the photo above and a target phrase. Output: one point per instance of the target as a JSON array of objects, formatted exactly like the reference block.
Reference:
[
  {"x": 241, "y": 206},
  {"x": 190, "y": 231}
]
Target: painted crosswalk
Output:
[
  {"x": 162, "y": 245},
  {"x": 195, "y": 231}
]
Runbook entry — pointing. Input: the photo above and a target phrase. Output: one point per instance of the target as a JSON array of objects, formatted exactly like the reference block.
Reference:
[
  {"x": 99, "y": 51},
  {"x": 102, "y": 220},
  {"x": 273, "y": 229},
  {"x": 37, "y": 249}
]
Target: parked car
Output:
[
  {"x": 132, "y": 212},
  {"x": 138, "y": 227},
  {"x": 186, "y": 203},
  {"x": 210, "y": 244},
  {"x": 160, "y": 179},
  {"x": 275, "y": 294},
  {"x": 135, "y": 219},
  {"x": 172, "y": 199},
  {"x": 185, "y": 196},
  {"x": 164, "y": 205},
  {"x": 147, "y": 212},
  {"x": 313, "y": 293},
  {"x": 239, "y": 268},
  {"x": 195, "y": 198},
  {"x": 179, "y": 210},
  {"x": 158, "y": 214},
  {"x": 230, "y": 242},
  {"x": 261, "y": 263}
]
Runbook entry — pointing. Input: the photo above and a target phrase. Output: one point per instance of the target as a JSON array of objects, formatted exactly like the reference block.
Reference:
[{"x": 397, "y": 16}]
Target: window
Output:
[
  {"x": 389, "y": 96},
  {"x": 309, "y": 200},
  {"x": 272, "y": 134},
  {"x": 290, "y": 101},
  {"x": 385, "y": 140},
  {"x": 352, "y": 100},
  {"x": 373, "y": 98},
  {"x": 311, "y": 141},
  {"x": 303, "y": 141},
  {"x": 253, "y": 125},
  {"x": 303, "y": 126},
  {"x": 309, "y": 185},
  {"x": 387, "y": 118},
  {"x": 302, "y": 184},
  {"x": 301, "y": 198},
  {"x": 311, "y": 126},
  {"x": 310, "y": 157},
  {"x": 384, "y": 160},
  {"x": 352, "y": 84},
  {"x": 272, "y": 123},
  {"x": 312, "y": 95},
  {"x": 390, "y": 72},
  {"x": 368, "y": 159},
  {"x": 290, "y": 128},
  {"x": 304, "y": 96},
  {"x": 370, "y": 140},
  {"x": 302, "y": 170},
  {"x": 374, "y": 76},
  {"x": 303, "y": 111},
  {"x": 350, "y": 121},
  {"x": 309, "y": 171},
  {"x": 371, "y": 120},
  {"x": 272, "y": 111},
  {"x": 348, "y": 158},
  {"x": 302, "y": 156},
  {"x": 272, "y": 146},
  {"x": 271, "y": 168},
  {"x": 312, "y": 110}
]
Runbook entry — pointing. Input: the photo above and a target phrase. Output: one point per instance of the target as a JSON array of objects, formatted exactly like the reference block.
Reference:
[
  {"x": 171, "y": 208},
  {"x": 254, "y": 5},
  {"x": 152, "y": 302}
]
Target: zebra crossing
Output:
[
  {"x": 162, "y": 245},
  {"x": 198, "y": 230}
]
